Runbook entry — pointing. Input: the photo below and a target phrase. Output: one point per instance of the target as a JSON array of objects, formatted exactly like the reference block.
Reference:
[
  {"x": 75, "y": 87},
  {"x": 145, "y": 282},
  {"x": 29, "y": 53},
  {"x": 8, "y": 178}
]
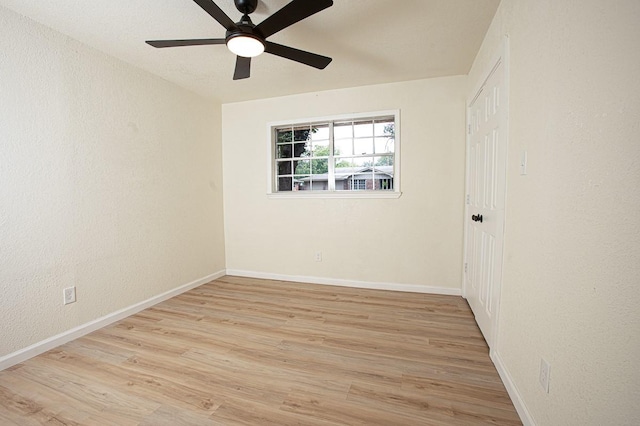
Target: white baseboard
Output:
[
  {"x": 349, "y": 283},
  {"x": 516, "y": 398},
  {"x": 59, "y": 339}
]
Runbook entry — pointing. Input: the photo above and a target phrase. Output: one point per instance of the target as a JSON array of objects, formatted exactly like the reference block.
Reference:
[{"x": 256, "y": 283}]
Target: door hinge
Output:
[
  {"x": 468, "y": 129},
  {"x": 468, "y": 199},
  {"x": 466, "y": 267}
]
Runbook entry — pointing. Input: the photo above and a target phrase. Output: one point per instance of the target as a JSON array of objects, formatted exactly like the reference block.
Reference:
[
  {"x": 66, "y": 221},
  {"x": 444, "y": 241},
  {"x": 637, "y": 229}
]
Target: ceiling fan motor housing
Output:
[{"x": 246, "y": 6}]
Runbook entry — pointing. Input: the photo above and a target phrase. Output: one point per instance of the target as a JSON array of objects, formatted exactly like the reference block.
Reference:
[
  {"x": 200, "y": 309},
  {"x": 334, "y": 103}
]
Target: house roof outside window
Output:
[{"x": 344, "y": 173}]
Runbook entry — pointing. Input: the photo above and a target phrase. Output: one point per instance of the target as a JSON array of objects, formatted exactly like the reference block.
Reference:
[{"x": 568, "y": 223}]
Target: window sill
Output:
[{"x": 331, "y": 194}]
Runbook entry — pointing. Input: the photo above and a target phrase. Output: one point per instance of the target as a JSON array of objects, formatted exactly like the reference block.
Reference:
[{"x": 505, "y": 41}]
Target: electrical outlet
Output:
[
  {"x": 318, "y": 256},
  {"x": 545, "y": 370},
  {"x": 69, "y": 295}
]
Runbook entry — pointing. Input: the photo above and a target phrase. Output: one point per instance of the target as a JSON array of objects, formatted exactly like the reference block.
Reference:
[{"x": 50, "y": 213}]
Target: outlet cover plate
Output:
[{"x": 69, "y": 295}]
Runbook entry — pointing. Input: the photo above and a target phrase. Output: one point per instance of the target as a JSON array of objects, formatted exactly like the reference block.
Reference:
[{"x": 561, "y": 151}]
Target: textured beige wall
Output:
[
  {"x": 414, "y": 240},
  {"x": 571, "y": 274},
  {"x": 110, "y": 180}
]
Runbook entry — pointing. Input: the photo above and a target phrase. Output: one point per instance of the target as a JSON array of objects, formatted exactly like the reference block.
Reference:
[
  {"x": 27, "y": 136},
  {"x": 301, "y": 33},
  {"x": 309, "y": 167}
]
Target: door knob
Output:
[{"x": 477, "y": 218}]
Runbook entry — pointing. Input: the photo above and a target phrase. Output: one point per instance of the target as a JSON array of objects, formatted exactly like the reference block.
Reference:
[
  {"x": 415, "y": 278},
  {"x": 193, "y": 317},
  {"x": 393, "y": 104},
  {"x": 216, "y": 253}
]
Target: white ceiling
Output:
[{"x": 370, "y": 41}]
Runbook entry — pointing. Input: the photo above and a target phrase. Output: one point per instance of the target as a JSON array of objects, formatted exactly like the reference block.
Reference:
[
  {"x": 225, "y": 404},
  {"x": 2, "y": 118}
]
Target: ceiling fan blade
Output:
[
  {"x": 307, "y": 58},
  {"x": 243, "y": 68},
  {"x": 176, "y": 43},
  {"x": 293, "y": 12},
  {"x": 216, "y": 13}
]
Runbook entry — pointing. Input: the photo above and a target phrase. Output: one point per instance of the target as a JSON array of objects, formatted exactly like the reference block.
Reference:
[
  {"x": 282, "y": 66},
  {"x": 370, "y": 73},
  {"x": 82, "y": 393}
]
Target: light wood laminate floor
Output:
[{"x": 240, "y": 351}]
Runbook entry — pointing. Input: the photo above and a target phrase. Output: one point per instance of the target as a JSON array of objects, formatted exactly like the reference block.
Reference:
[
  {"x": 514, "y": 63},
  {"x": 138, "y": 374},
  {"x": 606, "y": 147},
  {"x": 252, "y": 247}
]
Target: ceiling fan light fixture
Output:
[{"x": 245, "y": 45}]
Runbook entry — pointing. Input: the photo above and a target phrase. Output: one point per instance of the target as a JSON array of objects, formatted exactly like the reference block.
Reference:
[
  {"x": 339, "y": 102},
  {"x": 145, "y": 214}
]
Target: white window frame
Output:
[
  {"x": 271, "y": 172},
  {"x": 355, "y": 184}
]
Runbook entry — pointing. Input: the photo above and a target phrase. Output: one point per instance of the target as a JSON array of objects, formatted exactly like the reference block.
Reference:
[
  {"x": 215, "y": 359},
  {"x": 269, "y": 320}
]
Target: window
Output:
[
  {"x": 357, "y": 184},
  {"x": 337, "y": 155}
]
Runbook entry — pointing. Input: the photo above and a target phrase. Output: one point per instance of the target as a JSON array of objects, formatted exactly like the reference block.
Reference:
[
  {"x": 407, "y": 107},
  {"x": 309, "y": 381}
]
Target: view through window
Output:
[{"x": 344, "y": 155}]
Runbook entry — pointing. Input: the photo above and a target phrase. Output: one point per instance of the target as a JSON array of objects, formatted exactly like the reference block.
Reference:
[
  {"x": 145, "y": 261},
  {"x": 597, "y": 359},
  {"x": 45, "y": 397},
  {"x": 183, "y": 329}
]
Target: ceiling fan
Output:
[{"x": 247, "y": 40}]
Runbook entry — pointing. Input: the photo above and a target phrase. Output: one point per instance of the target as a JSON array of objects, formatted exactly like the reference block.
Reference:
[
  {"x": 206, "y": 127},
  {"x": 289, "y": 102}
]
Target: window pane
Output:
[
  {"x": 354, "y": 162},
  {"x": 320, "y": 133},
  {"x": 321, "y": 149},
  {"x": 301, "y": 183},
  {"x": 284, "y": 151},
  {"x": 302, "y": 149},
  {"x": 363, "y": 129},
  {"x": 320, "y": 166},
  {"x": 343, "y": 169},
  {"x": 318, "y": 181},
  {"x": 362, "y": 161},
  {"x": 343, "y": 147},
  {"x": 343, "y": 163},
  {"x": 311, "y": 183},
  {"x": 385, "y": 161},
  {"x": 319, "y": 184},
  {"x": 343, "y": 130},
  {"x": 385, "y": 128},
  {"x": 363, "y": 146},
  {"x": 284, "y": 135},
  {"x": 284, "y": 168},
  {"x": 302, "y": 167},
  {"x": 384, "y": 171},
  {"x": 385, "y": 145},
  {"x": 284, "y": 184},
  {"x": 301, "y": 133}
]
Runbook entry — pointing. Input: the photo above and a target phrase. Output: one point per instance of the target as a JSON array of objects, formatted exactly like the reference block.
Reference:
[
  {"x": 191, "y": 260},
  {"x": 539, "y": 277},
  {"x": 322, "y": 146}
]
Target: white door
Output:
[{"x": 487, "y": 120}]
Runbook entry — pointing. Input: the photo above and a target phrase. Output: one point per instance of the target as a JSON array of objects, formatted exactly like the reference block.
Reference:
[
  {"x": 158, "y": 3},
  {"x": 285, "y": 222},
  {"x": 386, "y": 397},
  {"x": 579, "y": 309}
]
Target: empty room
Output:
[{"x": 348, "y": 212}]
